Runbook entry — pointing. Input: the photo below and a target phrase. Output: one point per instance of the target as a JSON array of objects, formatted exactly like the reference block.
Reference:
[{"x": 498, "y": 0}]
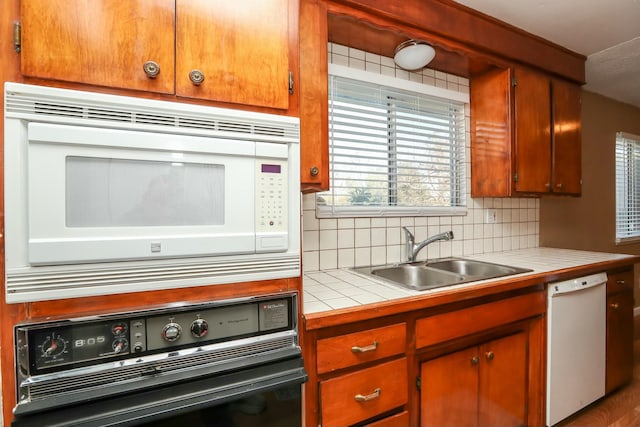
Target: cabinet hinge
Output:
[
  {"x": 418, "y": 383},
  {"x": 290, "y": 82},
  {"x": 515, "y": 177},
  {"x": 514, "y": 81},
  {"x": 17, "y": 36}
]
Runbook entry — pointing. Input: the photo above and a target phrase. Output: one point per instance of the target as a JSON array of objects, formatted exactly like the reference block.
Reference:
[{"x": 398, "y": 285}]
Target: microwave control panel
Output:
[{"x": 271, "y": 197}]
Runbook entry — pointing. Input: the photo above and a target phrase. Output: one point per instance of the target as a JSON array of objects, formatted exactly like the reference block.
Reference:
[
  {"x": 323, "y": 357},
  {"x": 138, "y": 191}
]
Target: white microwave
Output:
[{"x": 108, "y": 194}]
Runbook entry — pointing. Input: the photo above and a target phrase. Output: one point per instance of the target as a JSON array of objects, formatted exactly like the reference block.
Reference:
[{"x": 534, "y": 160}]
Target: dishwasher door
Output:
[{"x": 576, "y": 345}]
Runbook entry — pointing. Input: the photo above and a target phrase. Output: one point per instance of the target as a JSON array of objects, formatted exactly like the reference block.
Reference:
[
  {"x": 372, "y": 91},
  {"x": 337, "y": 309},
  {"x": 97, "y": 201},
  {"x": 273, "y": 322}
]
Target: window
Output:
[
  {"x": 393, "y": 151},
  {"x": 627, "y": 187}
]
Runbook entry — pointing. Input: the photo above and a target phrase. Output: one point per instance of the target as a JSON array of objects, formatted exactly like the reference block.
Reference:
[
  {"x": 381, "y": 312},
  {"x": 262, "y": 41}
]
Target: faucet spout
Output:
[{"x": 414, "y": 248}]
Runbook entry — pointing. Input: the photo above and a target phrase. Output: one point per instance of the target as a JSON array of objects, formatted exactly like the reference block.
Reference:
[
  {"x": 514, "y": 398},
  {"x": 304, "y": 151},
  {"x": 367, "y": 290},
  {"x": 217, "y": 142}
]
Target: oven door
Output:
[{"x": 258, "y": 396}]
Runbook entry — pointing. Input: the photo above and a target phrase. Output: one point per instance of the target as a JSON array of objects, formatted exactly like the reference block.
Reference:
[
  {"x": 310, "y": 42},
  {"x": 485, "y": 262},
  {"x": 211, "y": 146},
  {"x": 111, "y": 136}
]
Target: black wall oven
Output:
[{"x": 226, "y": 363}]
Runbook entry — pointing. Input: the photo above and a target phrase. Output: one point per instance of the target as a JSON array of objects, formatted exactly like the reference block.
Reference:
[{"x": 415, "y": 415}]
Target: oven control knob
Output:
[
  {"x": 171, "y": 331},
  {"x": 199, "y": 328}
]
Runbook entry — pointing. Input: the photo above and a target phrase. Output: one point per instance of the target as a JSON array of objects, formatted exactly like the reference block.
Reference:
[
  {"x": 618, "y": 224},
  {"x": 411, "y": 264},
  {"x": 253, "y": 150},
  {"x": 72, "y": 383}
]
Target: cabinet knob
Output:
[
  {"x": 314, "y": 171},
  {"x": 475, "y": 360},
  {"x": 547, "y": 185},
  {"x": 489, "y": 355},
  {"x": 196, "y": 77},
  {"x": 620, "y": 282},
  {"x": 151, "y": 69},
  {"x": 559, "y": 185},
  {"x": 614, "y": 305}
]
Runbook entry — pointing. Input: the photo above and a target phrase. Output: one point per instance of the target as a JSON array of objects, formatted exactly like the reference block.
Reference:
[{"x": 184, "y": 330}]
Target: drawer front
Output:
[
  {"x": 620, "y": 281},
  {"x": 397, "y": 420},
  {"x": 355, "y": 397},
  {"x": 360, "y": 347},
  {"x": 477, "y": 318}
]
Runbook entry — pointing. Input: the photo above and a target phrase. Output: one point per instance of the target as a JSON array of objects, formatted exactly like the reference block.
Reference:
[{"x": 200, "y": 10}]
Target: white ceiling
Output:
[{"x": 607, "y": 32}]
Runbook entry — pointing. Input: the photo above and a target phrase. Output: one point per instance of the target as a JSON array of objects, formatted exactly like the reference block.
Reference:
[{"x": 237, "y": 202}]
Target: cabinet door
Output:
[
  {"x": 532, "y": 132},
  {"x": 449, "y": 390},
  {"x": 99, "y": 42},
  {"x": 491, "y": 134},
  {"x": 567, "y": 138},
  {"x": 314, "y": 97},
  {"x": 240, "y": 47},
  {"x": 619, "y": 362},
  {"x": 503, "y": 373}
]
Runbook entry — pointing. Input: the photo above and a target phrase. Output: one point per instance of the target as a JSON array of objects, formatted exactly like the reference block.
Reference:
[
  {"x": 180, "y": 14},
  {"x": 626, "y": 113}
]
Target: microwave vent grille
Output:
[
  {"x": 59, "y": 105},
  {"x": 22, "y": 286}
]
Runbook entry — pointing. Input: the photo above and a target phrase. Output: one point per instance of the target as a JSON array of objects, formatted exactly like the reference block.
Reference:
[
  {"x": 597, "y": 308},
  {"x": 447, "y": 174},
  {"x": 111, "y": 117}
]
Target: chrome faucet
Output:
[{"x": 413, "y": 248}]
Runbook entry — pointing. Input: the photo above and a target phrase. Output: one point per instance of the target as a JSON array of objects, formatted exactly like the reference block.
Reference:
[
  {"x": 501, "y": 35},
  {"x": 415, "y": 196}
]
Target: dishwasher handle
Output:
[{"x": 575, "y": 285}]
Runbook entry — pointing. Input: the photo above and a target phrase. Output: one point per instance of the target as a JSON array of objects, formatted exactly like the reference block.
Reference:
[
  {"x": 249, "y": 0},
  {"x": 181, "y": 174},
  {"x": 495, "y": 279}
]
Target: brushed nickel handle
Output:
[
  {"x": 489, "y": 355},
  {"x": 367, "y": 397},
  {"x": 314, "y": 171},
  {"x": 621, "y": 282},
  {"x": 366, "y": 348},
  {"x": 151, "y": 69},
  {"x": 614, "y": 305},
  {"x": 475, "y": 360},
  {"x": 196, "y": 77}
]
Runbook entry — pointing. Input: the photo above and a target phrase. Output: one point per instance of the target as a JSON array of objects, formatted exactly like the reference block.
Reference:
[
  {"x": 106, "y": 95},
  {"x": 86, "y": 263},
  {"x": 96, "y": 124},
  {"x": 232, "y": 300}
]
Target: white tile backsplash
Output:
[{"x": 330, "y": 243}]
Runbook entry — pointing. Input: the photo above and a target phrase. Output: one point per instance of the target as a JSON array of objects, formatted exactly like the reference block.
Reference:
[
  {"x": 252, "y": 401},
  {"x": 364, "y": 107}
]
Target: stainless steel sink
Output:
[
  {"x": 470, "y": 267},
  {"x": 439, "y": 273}
]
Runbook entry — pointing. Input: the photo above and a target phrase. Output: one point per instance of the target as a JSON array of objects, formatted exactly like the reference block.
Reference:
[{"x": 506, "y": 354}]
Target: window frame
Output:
[
  {"x": 624, "y": 176},
  {"x": 330, "y": 211}
]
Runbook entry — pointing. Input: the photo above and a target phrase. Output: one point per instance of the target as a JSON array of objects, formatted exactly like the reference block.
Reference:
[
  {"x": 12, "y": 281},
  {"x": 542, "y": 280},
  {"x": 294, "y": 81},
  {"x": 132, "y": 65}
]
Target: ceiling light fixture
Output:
[{"x": 413, "y": 54}]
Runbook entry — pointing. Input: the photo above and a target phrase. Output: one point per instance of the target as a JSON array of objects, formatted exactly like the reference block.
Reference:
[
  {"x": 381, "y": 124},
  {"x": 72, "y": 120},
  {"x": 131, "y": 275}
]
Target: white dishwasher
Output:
[{"x": 576, "y": 345}]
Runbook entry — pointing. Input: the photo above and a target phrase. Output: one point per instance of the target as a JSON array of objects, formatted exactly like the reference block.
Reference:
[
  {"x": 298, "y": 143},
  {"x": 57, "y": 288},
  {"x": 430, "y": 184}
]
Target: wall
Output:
[
  {"x": 349, "y": 242},
  {"x": 588, "y": 222}
]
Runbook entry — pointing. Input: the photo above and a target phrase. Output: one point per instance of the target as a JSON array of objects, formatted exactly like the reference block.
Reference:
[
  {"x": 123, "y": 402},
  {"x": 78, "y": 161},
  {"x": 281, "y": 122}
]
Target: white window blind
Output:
[
  {"x": 627, "y": 187},
  {"x": 393, "y": 151}
]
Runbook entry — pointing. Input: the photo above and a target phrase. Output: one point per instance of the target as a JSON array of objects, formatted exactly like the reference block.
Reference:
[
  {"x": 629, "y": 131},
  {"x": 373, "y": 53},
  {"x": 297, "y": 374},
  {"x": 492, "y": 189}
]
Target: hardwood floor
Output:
[{"x": 620, "y": 409}]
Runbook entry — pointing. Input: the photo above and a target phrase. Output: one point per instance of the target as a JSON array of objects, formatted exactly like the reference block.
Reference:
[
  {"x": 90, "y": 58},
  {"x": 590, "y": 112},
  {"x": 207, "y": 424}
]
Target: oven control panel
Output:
[{"x": 61, "y": 345}]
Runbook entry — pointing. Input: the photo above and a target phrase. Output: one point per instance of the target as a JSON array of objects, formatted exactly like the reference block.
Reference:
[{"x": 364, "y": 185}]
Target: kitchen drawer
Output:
[
  {"x": 363, "y": 394},
  {"x": 620, "y": 281},
  {"x": 459, "y": 323},
  {"x": 397, "y": 420},
  {"x": 359, "y": 347}
]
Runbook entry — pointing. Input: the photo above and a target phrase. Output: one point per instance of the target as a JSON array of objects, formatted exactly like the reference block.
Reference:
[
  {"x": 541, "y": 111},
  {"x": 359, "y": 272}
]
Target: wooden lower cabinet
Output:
[
  {"x": 484, "y": 385},
  {"x": 363, "y": 394},
  {"x": 619, "y": 359}
]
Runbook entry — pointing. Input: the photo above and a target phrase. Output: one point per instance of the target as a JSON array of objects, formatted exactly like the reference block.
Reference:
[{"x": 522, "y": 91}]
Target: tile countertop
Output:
[{"x": 329, "y": 290}]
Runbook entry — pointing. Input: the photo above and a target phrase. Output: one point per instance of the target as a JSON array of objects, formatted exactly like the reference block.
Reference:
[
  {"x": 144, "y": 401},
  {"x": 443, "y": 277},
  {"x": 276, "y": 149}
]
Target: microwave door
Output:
[{"x": 91, "y": 202}]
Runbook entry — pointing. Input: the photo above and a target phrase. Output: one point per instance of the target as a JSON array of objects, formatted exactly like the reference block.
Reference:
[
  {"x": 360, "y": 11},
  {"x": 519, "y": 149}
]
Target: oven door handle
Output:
[{"x": 173, "y": 399}]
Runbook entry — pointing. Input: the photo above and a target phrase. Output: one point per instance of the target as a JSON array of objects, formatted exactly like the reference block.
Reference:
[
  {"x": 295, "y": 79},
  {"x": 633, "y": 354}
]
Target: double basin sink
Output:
[{"x": 438, "y": 273}]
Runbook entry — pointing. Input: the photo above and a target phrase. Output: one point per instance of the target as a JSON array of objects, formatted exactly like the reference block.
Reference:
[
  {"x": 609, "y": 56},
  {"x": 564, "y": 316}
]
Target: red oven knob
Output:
[
  {"x": 171, "y": 331},
  {"x": 199, "y": 328}
]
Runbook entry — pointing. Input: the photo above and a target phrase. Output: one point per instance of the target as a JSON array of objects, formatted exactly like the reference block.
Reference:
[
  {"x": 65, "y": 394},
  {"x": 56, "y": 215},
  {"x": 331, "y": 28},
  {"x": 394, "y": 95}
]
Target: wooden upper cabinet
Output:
[
  {"x": 99, "y": 42},
  {"x": 228, "y": 51},
  {"x": 532, "y": 119},
  {"x": 314, "y": 96},
  {"x": 566, "y": 175},
  {"x": 239, "y": 47},
  {"x": 525, "y": 135}
]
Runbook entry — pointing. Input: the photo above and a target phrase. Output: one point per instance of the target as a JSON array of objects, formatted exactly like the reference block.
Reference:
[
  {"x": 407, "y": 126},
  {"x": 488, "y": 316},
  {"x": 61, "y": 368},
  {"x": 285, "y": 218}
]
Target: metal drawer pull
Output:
[
  {"x": 614, "y": 305},
  {"x": 358, "y": 349},
  {"x": 367, "y": 397},
  {"x": 620, "y": 282}
]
